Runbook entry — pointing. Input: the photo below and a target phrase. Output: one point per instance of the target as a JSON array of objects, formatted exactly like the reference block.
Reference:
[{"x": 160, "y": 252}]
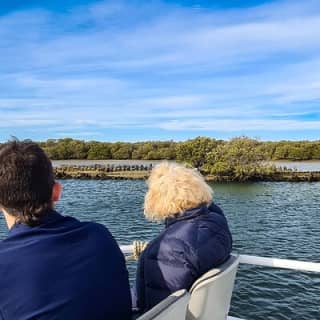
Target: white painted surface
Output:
[
  {"x": 127, "y": 249},
  {"x": 263, "y": 261},
  {"x": 280, "y": 263}
]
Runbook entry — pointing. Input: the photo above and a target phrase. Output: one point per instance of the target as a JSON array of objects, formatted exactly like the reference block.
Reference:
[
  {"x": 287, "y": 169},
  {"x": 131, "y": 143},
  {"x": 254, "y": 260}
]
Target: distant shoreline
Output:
[
  {"x": 57, "y": 163},
  {"x": 302, "y": 166},
  {"x": 136, "y": 172}
]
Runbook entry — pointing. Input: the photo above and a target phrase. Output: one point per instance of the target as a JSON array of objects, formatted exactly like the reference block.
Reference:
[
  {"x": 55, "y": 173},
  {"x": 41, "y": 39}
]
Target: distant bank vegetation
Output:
[
  {"x": 196, "y": 151},
  {"x": 238, "y": 159}
]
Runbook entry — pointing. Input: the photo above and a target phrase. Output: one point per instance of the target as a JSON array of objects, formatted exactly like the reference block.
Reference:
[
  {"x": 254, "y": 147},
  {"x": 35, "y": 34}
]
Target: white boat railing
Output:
[
  {"x": 280, "y": 263},
  {"x": 262, "y": 261}
]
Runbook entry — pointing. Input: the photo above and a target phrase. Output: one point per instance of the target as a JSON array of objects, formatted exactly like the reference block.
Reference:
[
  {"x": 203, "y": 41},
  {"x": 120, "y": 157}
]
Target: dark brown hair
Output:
[{"x": 26, "y": 181}]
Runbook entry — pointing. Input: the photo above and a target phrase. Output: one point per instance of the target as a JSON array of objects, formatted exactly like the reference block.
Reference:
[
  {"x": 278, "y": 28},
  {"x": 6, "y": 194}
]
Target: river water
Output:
[{"x": 268, "y": 219}]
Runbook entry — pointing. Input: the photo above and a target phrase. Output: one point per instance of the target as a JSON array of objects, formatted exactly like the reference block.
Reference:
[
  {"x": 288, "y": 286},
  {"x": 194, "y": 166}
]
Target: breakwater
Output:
[
  {"x": 103, "y": 172},
  {"x": 120, "y": 172}
]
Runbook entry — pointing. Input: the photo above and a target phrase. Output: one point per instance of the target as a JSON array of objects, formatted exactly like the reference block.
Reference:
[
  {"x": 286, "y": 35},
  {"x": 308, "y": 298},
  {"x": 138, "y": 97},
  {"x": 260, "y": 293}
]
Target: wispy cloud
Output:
[
  {"x": 117, "y": 64},
  {"x": 238, "y": 125}
]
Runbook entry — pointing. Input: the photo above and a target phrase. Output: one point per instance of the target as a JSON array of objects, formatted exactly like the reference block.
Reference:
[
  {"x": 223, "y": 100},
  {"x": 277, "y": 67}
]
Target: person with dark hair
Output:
[{"x": 53, "y": 266}]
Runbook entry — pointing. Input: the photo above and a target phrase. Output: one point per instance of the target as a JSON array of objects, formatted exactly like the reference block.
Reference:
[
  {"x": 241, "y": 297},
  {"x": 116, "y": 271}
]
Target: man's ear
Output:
[{"x": 56, "y": 192}]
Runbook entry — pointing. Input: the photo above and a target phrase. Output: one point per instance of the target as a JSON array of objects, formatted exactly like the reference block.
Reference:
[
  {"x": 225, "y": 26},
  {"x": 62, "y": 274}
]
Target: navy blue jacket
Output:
[
  {"x": 190, "y": 245},
  {"x": 63, "y": 269}
]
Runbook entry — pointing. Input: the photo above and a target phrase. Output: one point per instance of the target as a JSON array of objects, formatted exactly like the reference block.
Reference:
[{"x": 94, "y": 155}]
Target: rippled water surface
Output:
[{"x": 269, "y": 219}]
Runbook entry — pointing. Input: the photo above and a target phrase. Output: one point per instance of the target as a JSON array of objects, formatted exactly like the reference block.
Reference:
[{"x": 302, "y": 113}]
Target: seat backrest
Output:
[
  {"x": 173, "y": 307},
  {"x": 211, "y": 293}
]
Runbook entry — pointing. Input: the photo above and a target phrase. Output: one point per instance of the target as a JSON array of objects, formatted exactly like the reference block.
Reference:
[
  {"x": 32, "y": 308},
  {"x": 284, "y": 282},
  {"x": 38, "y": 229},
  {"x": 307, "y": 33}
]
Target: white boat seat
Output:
[
  {"x": 173, "y": 307},
  {"x": 211, "y": 293}
]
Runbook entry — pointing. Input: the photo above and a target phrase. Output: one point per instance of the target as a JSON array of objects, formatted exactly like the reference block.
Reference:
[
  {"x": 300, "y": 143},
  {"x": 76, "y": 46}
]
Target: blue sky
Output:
[{"x": 158, "y": 70}]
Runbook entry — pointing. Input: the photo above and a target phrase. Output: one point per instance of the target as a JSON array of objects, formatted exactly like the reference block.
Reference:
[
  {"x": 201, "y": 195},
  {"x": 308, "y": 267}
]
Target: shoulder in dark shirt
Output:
[{"x": 62, "y": 269}]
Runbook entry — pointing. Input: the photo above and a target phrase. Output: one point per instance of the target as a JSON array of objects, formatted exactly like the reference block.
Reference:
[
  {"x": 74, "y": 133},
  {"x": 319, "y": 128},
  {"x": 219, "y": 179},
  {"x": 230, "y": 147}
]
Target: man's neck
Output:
[{"x": 10, "y": 220}]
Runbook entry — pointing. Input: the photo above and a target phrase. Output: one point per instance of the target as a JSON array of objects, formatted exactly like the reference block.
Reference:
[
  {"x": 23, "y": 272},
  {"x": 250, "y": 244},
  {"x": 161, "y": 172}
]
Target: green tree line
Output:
[
  {"x": 65, "y": 149},
  {"x": 238, "y": 159},
  {"x": 197, "y": 151}
]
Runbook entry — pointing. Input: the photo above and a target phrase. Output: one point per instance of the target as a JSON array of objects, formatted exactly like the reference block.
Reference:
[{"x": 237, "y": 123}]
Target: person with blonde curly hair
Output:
[{"x": 196, "y": 237}]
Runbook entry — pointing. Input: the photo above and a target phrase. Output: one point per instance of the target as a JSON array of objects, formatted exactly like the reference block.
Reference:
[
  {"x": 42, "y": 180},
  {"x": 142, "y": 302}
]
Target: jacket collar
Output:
[
  {"x": 186, "y": 215},
  {"x": 49, "y": 217}
]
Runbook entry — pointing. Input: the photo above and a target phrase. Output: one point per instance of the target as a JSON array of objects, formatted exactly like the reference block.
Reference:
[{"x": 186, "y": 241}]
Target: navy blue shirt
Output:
[{"x": 63, "y": 269}]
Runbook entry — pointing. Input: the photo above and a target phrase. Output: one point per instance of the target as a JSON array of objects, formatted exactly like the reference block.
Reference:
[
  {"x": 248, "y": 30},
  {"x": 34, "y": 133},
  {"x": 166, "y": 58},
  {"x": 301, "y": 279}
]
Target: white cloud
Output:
[
  {"x": 114, "y": 64},
  {"x": 240, "y": 125}
]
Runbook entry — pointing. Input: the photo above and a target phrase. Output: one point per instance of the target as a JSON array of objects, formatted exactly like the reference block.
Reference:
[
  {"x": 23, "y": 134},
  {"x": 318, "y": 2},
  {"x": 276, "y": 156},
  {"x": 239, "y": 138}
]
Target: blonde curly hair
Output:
[{"x": 174, "y": 188}]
